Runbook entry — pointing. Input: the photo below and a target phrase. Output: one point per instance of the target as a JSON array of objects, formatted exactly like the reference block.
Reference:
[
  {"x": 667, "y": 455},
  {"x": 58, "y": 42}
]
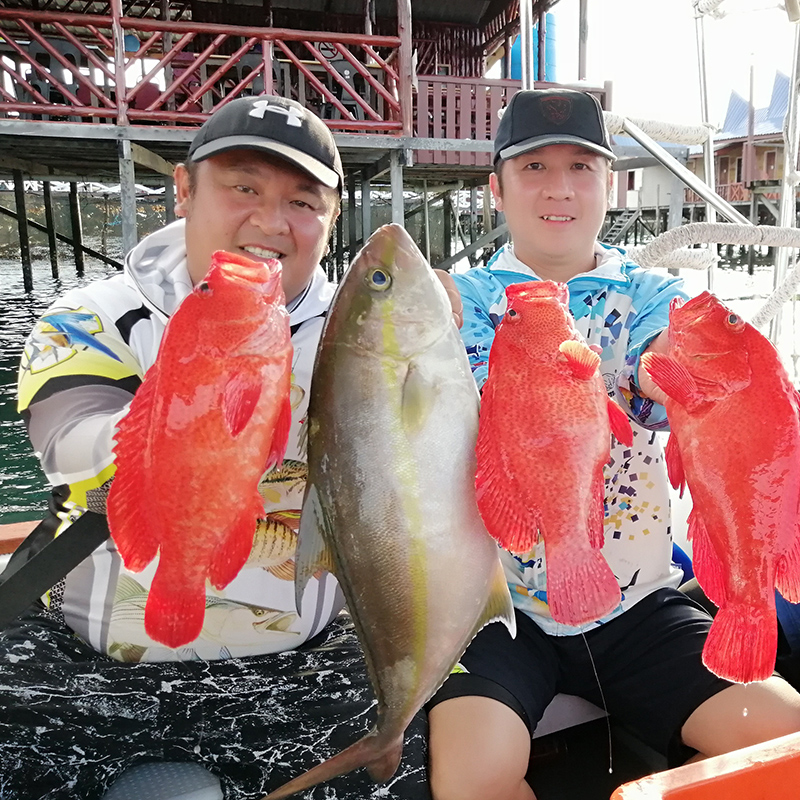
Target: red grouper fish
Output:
[
  {"x": 544, "y": 436},
  {"x": 211, "y": 416},
  {"x": 735, "y": 442}
]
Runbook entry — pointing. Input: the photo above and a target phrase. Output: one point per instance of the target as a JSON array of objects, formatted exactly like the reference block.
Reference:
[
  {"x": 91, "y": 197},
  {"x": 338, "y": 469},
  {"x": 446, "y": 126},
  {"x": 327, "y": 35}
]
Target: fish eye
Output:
[
  {"x": 203, "y": 287},
  {"x": 733, "y": 319},
  {"x": 512, "y": 314},
  {"x": 379, "y": 279}
]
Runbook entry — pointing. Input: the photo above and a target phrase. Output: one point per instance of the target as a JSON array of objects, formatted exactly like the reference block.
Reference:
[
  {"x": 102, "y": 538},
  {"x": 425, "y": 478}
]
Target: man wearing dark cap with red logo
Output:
[
  {"x": 263, "y": 693},
  {"x": 552, "y": 179}
]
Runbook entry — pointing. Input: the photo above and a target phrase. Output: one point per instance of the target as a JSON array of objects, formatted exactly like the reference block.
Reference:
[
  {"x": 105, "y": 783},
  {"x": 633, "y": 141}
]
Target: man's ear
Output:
[
  {"x": 494, "y": 185},
  {"x": 182, "y": 191}
]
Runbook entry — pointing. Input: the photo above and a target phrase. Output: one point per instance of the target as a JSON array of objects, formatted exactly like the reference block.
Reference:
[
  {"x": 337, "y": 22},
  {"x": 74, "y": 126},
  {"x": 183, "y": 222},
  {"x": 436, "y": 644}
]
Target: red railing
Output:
[{"x": 184, "y": 70}]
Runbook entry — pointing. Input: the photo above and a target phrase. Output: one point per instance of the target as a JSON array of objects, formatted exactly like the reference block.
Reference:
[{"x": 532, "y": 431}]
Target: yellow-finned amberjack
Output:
[{"x": 390, "y": 502}]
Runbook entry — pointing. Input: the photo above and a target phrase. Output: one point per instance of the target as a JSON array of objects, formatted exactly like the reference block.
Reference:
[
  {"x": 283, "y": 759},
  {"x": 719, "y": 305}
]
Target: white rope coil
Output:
[
  {"x": 661, "y": 131},
  {"x": 678, "y": 259}
]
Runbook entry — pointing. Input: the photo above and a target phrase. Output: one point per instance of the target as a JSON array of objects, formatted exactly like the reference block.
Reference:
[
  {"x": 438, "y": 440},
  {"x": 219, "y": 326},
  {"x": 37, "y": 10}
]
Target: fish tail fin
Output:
[
  {"x": 233, "y": 551},
  {"x": 787, "y": 579},
  {"x": 174, "y": 612},
  {"x": 742, "y": 642},
  {"x": 381, "y": 758},
  {"x": 580, "y": 587}
]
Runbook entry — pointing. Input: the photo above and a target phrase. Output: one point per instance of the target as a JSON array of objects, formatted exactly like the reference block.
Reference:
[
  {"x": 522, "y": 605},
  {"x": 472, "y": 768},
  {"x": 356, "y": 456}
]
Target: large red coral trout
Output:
[
  {"x": 545, "y": 434},
  {"x": 735, "y": 442},
  {"x": 211, "y": 416},
  {"x": 390, "y": 500}
]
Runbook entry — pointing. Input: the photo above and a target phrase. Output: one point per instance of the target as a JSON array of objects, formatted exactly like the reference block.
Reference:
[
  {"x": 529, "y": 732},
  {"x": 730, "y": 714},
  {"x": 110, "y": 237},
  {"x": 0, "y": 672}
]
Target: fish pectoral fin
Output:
[
  {"x": 582, "y": 361},
  {"x": 419, "y": 393},
  {"x": 672, "y": 378},
  {"x": 675, "y": 471},
  {"x": 499, "y": 607},
  {"x": 705, "y": 561},
  {"x": 239, "y": 399},
  {"x": 620, "y": 424},
  {"x": 313, "y": 553}
]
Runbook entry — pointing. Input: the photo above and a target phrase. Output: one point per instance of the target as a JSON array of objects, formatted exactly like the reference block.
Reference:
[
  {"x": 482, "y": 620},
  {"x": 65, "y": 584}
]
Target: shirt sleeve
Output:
[
  {"x": 652, "y": 301},
  {"x": 76, "y": 381},
  {"x": 484, "y": 302}
]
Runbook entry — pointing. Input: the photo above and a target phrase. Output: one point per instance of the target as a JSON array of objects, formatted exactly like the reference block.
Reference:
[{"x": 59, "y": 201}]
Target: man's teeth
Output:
[
  {"x": 557, "y": 219},
  {"x": 262, "y": 253}
]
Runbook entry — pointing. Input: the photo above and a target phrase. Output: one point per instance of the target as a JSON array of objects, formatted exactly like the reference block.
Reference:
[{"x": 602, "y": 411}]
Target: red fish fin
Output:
[
  {"x": 381, "y": 758},
  {"x": 280, "y": 436},
  {"x": 672, "y": 456},
  {"x": 620, "y": 424},
  {"x": 232, "y": 552},
  {"x": 597, "y": 513},
  {"x": 787, "y": 579},
  {"x": 742, "y": 643},
  {"x": 581, "y": 360},
  {"x": 502, "y": 507},
  {"x": 705, "y": 561},
  {"x": 581, "y": 587},
  {"x": 175, "y": 611},
  {"x": 673, "y": 378},
  {"x": 135, "y": 529},
  {"x": 239, "y": 399}
]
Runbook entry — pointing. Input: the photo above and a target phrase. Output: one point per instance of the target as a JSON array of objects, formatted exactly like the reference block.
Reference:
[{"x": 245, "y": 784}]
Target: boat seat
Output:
[{"x": 164, "y": 780}]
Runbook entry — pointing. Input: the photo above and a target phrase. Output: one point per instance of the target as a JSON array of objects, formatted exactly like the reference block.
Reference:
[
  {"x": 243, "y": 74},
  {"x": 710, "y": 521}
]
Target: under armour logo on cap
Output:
[
  {"x": 556, "y": 109},
  {"x": 294, "y": 116}
]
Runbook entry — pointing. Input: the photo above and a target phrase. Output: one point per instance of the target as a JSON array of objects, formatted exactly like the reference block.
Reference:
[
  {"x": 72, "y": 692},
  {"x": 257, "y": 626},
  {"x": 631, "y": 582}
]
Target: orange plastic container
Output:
[{"x": 769, "y": 771}]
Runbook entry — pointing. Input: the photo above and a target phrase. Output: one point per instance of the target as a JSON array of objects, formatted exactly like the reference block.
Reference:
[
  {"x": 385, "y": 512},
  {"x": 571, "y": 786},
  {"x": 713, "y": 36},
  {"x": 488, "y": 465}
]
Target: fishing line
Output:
[{"x": 605, "y": 707}]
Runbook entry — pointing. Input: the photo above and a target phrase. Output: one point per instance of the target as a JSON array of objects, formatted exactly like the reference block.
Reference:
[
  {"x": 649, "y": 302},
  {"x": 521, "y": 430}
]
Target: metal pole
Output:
[
  {"x": 542, "y": 65},
  {"x": 788, "y": 207},
  {"x": 22, "y": 226},
  {"x": 526, "y": 43},
  {"x": 50, "y": 223},
  {"x": 366, "y": 209},
  {"x": 127, "y": 196},
  {"x": 708, "y": 146},
  {"x": 583, "y": 38},
  {"x": 77, "y": 229},
  {"x": 119, "y": 61},
  {"x": 396, "y": 178},
  {"x": 405, "y": 68},
  {"x": 352, "y": 223}
]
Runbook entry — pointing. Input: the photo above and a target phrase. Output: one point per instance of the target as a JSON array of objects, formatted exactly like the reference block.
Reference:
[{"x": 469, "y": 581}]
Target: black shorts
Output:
[{"x": 648, "y": 663}]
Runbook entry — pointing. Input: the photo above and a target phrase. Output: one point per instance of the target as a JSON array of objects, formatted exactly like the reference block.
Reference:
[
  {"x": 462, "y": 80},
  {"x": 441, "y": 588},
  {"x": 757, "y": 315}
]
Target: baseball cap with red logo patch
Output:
[{"x": 540, "y": 117}]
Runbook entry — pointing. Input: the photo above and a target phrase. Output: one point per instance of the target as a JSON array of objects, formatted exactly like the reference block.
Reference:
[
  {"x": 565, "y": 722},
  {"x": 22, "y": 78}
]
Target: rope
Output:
[
  {"x": 661, "y": 131},
  {"x": 661, "y": 251},
  {"x": 678, "y": 259},
  {"x": 709, "y": 7}
]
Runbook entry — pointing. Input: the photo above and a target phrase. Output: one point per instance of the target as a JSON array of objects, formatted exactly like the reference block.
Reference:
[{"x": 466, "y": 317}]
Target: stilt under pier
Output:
[{"x": 22, "y": 227}]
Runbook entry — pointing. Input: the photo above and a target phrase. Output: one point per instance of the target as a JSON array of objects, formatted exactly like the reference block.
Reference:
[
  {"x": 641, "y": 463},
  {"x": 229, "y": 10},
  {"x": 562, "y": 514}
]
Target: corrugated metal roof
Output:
[{"x": 767, "y": 120}]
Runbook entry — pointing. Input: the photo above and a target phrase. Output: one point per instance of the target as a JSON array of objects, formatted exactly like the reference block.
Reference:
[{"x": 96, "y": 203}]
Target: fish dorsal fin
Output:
[
  {"x": 280, "y": 435},
  {"x": 239, "y": 399},
  {"x": 672, "y": 378},
  {"x": 675, "y": 471},
  {"x": 418, "y": 397},
  {"x": 581, "y": 359},
  {"x": 136, "y": 535},
  {"x": 620, "y": 424},
  {"x": 313, "y": 552}
]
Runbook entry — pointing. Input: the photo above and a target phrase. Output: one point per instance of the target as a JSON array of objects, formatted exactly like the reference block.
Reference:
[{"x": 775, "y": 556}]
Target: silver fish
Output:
[{"x": 390, "y": 503}]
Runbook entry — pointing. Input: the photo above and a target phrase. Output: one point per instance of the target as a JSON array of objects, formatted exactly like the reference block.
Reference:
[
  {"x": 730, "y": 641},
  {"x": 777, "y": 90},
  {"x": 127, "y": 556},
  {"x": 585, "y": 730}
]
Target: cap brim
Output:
[
  {"x": 316, "y": 169},
  {"x": 544, "y": 141}
]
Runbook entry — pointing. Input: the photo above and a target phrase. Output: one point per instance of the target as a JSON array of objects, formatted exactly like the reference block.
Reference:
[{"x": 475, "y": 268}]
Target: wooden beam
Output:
[
  {"x": 404, "y": 65},
  {"x": 77, "y": 228},
  {"x": 29, "y": 168},
  {"x": 50, "y": 224},
  {"x": 484, "y": 240},
  {"x": 147, "y": 158},
  {"x": 22, "y": 226}
]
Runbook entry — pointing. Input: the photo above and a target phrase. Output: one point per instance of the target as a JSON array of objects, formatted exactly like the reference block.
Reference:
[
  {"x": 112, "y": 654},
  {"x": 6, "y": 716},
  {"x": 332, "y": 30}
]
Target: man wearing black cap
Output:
[
  {"x": 552, "y": 180},
  {"x": 263, "y": 693}
]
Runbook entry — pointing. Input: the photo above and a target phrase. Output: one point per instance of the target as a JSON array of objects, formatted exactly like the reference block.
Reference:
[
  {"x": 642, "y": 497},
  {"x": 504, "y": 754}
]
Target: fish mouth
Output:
[{"x": 261, "y": 276}]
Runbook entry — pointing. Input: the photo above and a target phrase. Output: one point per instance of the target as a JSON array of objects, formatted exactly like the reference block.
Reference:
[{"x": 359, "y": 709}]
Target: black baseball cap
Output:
[
  {"x": 278, "y": 125},
  {"x": 539, "y": 117}
]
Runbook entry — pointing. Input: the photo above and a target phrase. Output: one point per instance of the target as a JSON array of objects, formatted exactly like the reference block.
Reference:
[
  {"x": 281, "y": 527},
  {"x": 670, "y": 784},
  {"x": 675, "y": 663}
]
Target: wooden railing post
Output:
[
  {"x": 119, "y": 61},
  {"x": 404, "y": 64}
]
